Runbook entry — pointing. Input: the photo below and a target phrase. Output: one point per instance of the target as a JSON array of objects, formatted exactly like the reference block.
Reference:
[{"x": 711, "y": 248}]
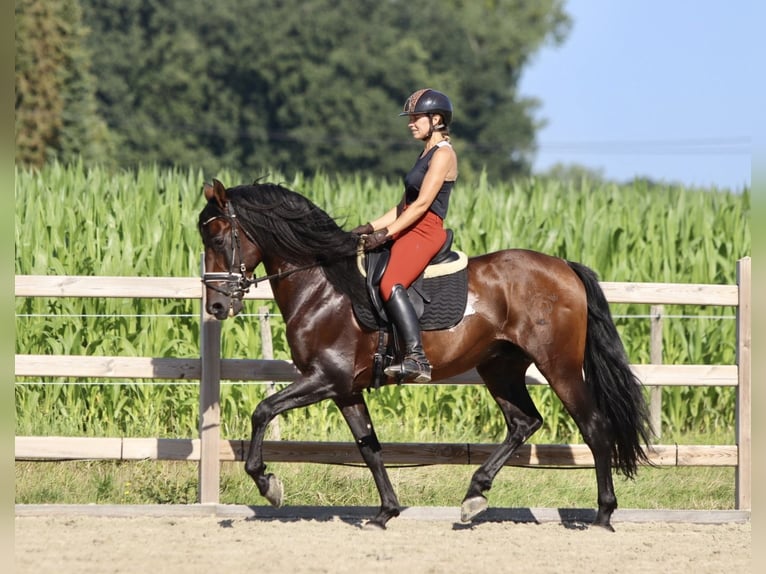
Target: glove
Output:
[
  {"x": 365, "y": 229},
  {"x": 376, "y": 239}
]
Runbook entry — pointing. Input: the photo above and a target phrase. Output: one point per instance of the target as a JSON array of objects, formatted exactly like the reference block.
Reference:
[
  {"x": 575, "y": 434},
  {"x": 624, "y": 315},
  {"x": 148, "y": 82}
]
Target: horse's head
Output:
[{"x": 231, "y": 255}]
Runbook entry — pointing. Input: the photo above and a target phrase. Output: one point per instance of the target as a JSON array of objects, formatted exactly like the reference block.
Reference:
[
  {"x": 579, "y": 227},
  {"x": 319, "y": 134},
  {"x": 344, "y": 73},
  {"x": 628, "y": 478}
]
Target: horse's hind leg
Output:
[
  {"x": 505, "y": 378},
  {"x": 569, "y": 386},
  {"x": 357, "y": 416}
]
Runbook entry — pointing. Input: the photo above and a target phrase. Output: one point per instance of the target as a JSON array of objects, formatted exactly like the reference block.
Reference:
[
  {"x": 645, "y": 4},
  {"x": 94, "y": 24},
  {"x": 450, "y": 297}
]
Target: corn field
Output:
[{"x": 75, "y": 220}]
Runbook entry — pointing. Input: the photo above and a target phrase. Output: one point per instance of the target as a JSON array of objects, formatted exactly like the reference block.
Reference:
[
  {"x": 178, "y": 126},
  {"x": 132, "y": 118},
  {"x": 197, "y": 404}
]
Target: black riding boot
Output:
[{"x": 414, "y": 365}]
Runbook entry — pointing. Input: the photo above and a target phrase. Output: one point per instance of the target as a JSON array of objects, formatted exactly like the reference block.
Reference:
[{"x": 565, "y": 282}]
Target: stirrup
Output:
[{"x": 418, "y": 371}]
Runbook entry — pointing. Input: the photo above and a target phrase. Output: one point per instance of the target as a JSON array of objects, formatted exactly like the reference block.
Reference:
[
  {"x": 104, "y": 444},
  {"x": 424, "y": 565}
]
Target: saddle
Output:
[{"x": 438, "y": 295}]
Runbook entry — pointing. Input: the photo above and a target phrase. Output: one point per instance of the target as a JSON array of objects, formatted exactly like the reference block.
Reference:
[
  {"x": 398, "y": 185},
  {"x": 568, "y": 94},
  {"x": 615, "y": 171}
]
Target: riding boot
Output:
[{"x": 414, "y": 365}]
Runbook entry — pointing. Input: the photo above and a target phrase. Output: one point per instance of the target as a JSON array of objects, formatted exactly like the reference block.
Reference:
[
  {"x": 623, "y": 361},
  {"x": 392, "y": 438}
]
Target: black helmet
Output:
[{"x": 428, "y": 101}]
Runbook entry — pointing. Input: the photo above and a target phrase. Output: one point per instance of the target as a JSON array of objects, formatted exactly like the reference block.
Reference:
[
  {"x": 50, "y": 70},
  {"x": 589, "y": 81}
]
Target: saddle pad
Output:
[{"x": 448, "y": 295}]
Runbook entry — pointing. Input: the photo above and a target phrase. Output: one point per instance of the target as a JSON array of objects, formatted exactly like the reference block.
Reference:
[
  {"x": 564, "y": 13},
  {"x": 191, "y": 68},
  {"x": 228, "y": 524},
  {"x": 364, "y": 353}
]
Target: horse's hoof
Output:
[
  {"x": 472, "y": 507},
  {"x": 275, "y": 493},
  {"x": 604, "y": 520},
  {"x": 371, "y": 525}
]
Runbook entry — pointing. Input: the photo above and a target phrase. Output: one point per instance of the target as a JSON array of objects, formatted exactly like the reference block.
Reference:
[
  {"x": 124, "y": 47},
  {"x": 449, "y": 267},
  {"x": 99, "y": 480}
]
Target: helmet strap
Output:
[{"x": 431, "y": 127}]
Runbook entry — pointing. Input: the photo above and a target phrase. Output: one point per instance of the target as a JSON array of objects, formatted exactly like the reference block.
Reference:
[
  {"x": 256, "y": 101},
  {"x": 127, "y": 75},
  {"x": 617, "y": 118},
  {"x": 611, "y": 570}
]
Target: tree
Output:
[
  {"x": 38, "y": 87},
  {"x": 479, "y": 50},
  {"x": 164, "y": 80},
  {"x": 313, "y": 85},
  {"x": 56, "y": 112}
]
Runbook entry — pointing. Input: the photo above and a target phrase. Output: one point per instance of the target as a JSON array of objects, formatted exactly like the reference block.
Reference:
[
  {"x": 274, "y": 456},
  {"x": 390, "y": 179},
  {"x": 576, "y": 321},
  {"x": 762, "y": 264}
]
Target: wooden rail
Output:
[
  {"x": 574, "y": 455},
  {"x": 210, "y": 369},
  {"x": 276, "y": 370}
]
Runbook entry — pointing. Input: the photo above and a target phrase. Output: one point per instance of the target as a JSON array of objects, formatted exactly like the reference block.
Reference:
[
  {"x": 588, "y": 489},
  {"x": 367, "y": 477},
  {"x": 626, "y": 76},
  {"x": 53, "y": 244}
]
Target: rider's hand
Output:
[
  {"x": 376, "y": 239},
  {"x": 365, "y": 229}
]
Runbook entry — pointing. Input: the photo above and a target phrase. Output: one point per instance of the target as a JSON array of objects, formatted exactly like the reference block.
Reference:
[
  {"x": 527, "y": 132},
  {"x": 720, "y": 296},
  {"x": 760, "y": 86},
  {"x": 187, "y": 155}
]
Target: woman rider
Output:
[{"x": 416, "y": 224}]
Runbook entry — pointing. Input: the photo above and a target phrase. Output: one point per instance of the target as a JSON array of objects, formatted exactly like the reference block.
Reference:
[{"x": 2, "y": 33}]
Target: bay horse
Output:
[{"x": 523, "y": 307}]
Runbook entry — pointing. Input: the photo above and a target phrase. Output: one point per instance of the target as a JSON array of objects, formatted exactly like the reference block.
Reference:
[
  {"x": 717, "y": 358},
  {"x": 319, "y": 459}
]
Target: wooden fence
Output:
[{"x": 210, "y": 369}]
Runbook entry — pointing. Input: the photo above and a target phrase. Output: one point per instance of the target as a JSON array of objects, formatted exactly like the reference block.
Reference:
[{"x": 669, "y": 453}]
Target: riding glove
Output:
[
  {"x": 365, "y": 229},
  {"x": 376, "y": 239}
]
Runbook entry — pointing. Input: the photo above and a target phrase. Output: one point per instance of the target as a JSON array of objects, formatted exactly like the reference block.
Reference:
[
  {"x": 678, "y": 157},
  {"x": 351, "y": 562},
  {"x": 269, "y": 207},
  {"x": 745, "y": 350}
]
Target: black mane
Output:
[{"x": 289, "y": 226}]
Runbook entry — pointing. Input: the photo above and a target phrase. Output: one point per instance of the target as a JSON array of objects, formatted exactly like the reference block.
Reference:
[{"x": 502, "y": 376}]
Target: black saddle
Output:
[{"x": 438, "y": 296}]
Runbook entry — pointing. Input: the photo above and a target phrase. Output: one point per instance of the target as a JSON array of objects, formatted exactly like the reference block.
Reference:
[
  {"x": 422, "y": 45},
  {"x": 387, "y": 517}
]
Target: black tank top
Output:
[{"x": 414, "y": 179}]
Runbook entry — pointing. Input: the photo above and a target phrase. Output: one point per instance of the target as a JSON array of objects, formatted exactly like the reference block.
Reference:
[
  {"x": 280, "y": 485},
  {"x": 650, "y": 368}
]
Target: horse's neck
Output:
[{"x": 297, "y": 290}]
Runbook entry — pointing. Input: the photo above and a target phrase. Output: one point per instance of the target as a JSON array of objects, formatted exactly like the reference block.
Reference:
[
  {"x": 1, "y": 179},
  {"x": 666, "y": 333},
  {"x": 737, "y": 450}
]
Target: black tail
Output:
[{"x": 616, "y": 389}]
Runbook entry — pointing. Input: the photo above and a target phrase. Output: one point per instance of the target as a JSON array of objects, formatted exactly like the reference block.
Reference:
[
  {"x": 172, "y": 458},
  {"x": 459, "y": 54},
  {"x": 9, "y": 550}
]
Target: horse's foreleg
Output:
[
  {"x": 506, "y": 382},
  {"x": 301, "y": 393},
  {"x": 357, "y": 416}
]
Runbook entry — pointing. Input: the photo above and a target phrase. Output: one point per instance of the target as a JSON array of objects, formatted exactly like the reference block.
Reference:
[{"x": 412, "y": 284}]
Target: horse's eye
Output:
[{"x": 217, "y": 242}]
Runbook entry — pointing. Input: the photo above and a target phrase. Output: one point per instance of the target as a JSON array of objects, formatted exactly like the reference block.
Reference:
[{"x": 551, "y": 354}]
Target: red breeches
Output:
[{"x": 411, "y": 252}]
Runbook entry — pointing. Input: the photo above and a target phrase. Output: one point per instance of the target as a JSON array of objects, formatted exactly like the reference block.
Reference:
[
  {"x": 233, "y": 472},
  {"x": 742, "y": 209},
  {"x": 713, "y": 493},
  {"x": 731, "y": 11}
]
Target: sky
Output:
[{"x": 651, "y": 88}]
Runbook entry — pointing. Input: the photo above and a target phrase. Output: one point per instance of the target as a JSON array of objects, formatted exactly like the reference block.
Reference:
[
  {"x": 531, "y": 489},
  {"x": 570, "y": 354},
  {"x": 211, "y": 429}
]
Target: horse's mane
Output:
[{"x": 289, "y": 226}]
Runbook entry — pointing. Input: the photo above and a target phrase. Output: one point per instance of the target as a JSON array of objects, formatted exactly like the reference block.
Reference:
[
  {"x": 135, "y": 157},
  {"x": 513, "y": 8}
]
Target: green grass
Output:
[{"x": 163, "y": 482}]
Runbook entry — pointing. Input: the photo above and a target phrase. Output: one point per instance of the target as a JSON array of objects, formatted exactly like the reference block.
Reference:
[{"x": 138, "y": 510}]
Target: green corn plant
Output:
[{"x": 143, "y": 223}]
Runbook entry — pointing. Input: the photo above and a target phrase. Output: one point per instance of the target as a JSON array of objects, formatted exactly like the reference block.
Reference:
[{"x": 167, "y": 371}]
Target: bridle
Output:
[{"x": 235, "y": 283}]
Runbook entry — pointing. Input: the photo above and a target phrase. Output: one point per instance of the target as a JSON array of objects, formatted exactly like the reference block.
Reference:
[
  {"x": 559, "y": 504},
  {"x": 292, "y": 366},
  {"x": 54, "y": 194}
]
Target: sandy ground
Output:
[{"x": 205, "y": 544}]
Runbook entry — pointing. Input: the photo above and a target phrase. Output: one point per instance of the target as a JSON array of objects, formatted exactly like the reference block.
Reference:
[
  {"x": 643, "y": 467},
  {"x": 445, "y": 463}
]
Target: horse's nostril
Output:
[{"x": 215, "y": 308}]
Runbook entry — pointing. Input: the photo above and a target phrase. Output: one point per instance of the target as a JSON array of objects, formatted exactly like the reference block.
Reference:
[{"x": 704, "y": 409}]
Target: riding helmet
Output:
[{"x": 428, "y": 101}]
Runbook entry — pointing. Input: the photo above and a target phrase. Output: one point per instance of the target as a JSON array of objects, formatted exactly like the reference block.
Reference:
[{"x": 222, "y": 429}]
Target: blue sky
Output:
[{"x": 662, "y": 89}]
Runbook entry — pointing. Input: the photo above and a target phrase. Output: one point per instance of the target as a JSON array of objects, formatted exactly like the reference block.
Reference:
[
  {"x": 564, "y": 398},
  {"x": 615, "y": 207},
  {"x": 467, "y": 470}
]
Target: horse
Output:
[{"x": 523, "y": 307}]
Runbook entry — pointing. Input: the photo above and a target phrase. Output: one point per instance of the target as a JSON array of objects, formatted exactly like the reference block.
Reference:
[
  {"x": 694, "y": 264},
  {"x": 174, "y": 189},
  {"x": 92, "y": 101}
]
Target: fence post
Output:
[
  {"x": 267, "y": 349},
  {"x": 743, "y": 478},
  {"x": 209, "y": 403},
  {"x": 655, "y": 358}
]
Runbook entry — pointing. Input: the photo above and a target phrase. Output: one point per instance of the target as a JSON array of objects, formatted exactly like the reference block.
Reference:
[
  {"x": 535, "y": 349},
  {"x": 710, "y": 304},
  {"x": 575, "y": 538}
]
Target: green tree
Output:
[
  {"x": 315, "y": 85},
  {"x": 38, "y": 86},
  {"x": 165, "y": 84},
  {"x": 56, "y": 112}
]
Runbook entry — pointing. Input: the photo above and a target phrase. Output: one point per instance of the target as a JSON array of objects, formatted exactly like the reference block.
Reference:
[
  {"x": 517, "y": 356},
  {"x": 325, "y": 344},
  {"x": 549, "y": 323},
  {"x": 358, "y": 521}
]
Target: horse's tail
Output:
[{"x": 616, "y": 389}]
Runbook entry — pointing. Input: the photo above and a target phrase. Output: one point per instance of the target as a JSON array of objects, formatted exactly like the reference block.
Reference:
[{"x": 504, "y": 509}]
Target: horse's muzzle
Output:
[
  {"x": 223, "y": 307},
  {"x": 225, "y": 292}
]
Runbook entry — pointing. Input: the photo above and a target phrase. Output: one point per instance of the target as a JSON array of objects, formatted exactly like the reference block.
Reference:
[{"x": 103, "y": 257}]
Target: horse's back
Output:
[{"x": 524, "y": 269}]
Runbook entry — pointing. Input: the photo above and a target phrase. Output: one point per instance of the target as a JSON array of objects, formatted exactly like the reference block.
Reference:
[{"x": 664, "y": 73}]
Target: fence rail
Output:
[
  {"x": 565, "y": 455},
  {"x": 277, "y": 370},
  {"x": 209, "y": 449}
]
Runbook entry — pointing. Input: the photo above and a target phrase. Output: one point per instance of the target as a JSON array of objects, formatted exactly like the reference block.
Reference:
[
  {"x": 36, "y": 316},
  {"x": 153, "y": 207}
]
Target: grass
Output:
[
  {"x": 164, "y": 482},
  {"x": 175, "y": 482}
]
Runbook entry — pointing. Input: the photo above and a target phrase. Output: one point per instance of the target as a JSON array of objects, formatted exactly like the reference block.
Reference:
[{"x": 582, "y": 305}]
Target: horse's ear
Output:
[{"x": 216, "y": 191}]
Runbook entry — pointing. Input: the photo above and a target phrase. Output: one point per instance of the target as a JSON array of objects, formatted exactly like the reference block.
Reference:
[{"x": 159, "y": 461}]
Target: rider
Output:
[{"x": 416, "y": 224}]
